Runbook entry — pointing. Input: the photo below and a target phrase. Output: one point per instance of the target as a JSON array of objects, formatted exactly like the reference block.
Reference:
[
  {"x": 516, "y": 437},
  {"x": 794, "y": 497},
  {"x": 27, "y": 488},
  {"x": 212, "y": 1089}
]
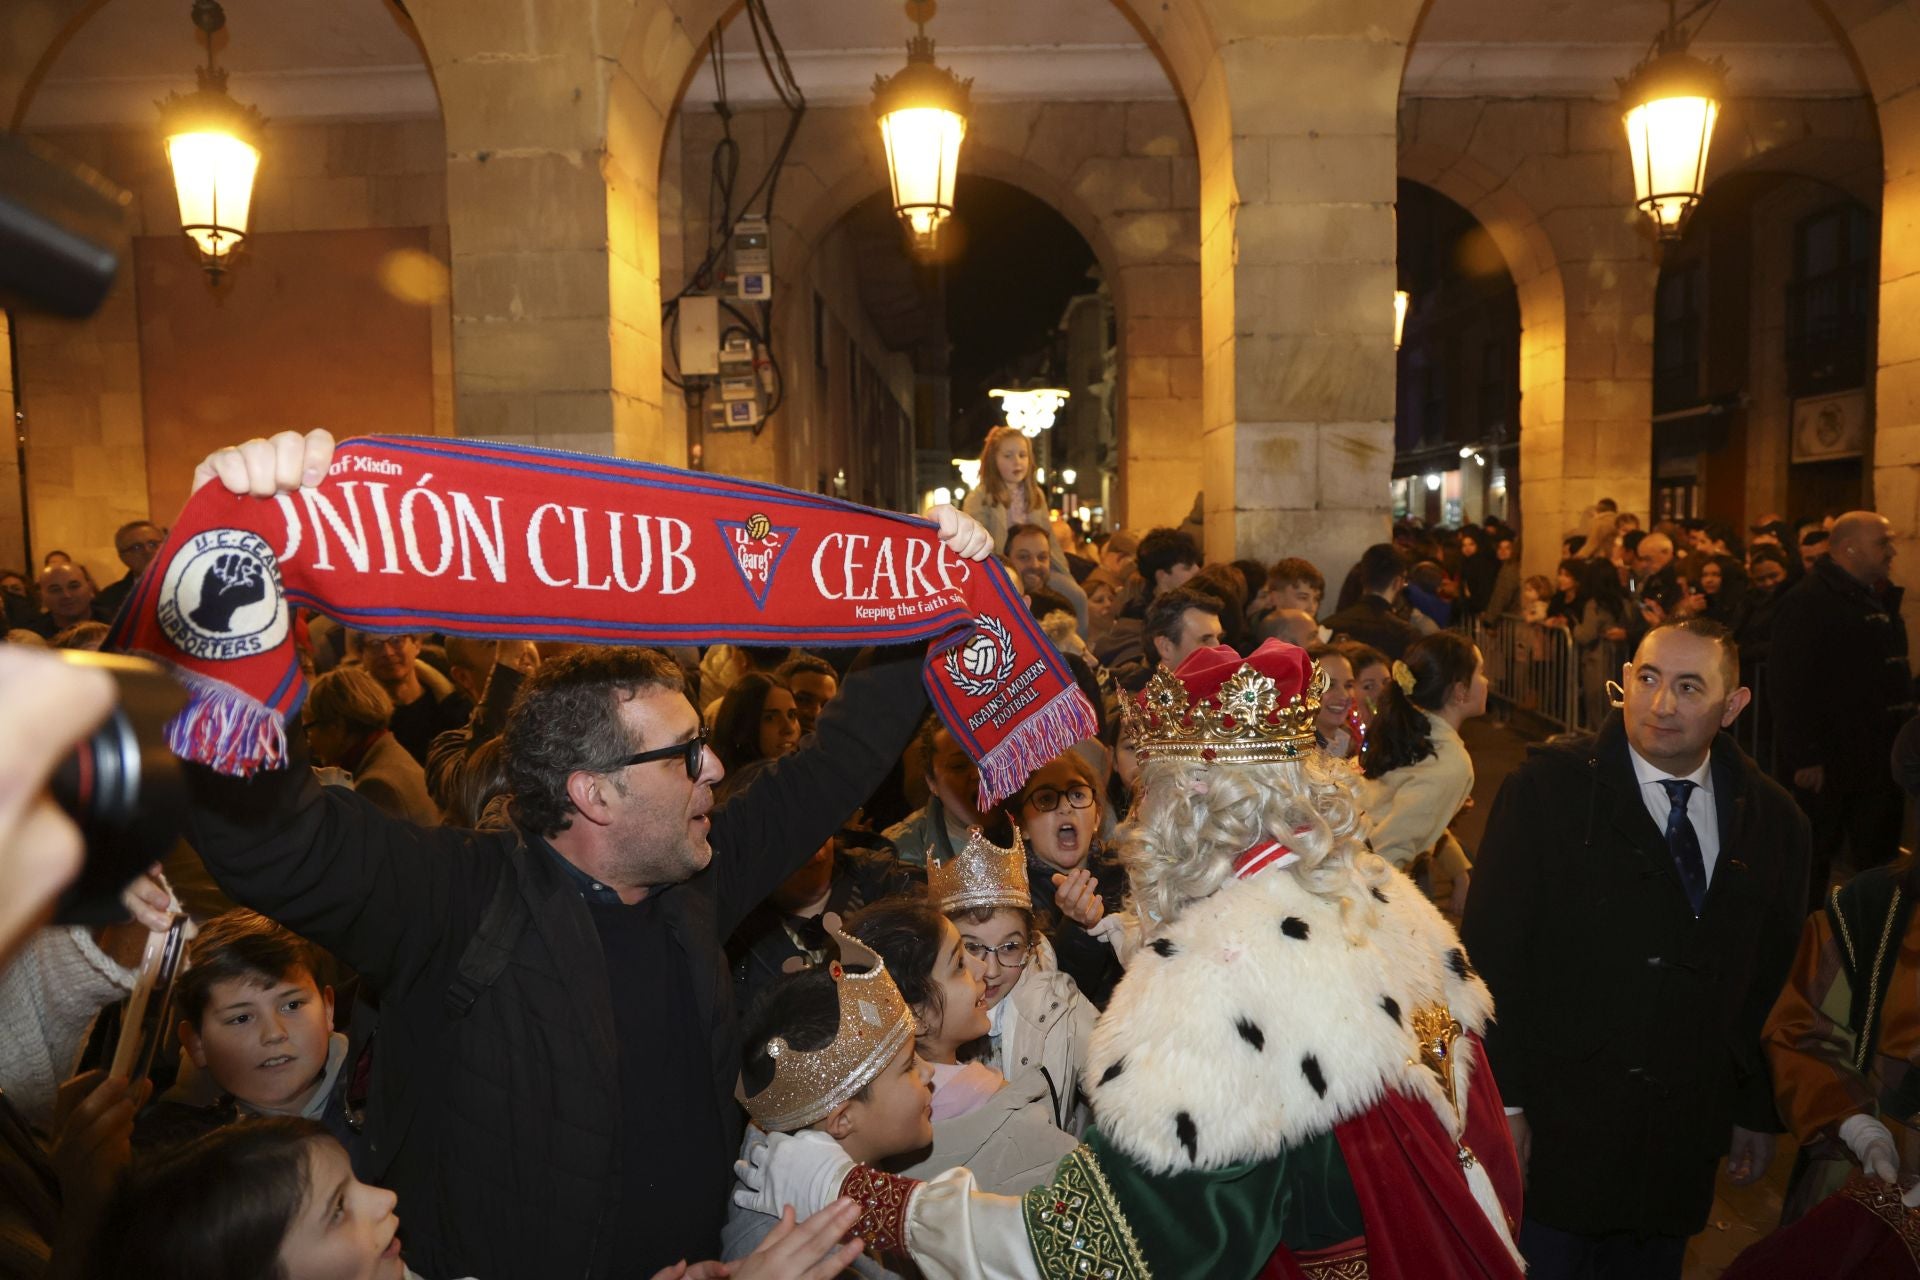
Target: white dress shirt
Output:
[{"x": 1700, "y": 807}]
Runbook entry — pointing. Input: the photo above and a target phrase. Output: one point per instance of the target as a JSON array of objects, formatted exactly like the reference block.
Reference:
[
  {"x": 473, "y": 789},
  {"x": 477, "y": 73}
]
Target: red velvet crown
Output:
[{"x": 1219, "y": 706}]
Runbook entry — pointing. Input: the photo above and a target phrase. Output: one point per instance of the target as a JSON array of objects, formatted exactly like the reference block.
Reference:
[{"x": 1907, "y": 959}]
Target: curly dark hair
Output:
[{"x": 567, "y": 718}]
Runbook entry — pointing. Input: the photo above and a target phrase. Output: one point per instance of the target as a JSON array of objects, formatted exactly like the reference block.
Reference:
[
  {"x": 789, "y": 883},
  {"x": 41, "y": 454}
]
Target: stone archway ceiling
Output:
[
  {"x": 1088, "y": 50},
  {"x": 311, "y": 59},
  {"x": 1576, "y": 48},
  {"x": 346, "y": 59}
]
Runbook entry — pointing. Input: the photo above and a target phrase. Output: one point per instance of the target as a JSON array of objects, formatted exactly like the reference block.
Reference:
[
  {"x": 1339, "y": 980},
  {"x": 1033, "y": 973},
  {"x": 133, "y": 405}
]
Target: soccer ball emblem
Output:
[
  {"x": 758, "y": 526},
  {"x": 979, "y": 655}
]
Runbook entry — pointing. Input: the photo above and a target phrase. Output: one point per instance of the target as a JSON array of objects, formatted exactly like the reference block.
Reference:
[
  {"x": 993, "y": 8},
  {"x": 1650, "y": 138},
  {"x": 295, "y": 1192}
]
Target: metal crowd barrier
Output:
[{"x": 1531, "y": 668}]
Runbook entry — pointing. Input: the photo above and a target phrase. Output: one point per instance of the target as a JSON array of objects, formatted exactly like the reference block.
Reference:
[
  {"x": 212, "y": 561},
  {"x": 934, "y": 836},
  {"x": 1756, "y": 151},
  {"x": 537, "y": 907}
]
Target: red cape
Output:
[{"x": 1422, "y": 1220}]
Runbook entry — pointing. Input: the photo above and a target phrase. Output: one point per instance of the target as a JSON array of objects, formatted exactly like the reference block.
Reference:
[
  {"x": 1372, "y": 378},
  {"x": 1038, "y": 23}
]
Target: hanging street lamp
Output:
[
  {"x": 213, "y": 146},
  {"x": 1669, "y": 104},
  {"x": 922, "y": 110}
]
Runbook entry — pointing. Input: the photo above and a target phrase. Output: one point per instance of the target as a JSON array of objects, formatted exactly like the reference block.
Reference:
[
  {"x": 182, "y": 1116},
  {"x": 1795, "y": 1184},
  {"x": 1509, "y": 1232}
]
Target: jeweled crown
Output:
[
  {"x": 1216, "y": 707},
  {"x": 982, "y": 874},
  {"x": 874, "y": 1022}
]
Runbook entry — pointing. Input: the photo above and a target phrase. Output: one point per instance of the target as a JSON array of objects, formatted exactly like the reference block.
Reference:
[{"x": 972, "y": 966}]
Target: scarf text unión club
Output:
[{"x": 505, "y": 542}]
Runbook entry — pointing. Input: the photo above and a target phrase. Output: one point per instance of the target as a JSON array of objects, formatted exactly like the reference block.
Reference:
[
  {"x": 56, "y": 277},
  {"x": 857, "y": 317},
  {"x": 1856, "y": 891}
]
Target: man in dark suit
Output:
[
  {"x": 1371, "y": 619},
  {"x": 1635, "y": 908},
  {"x": 1841, "y": 689},
  {"x": 136, "y": 542}
]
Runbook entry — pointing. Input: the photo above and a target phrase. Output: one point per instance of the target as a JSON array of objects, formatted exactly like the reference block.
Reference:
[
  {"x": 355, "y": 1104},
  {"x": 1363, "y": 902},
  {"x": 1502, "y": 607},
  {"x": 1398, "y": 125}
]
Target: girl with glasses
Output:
[
  {"x": 1075, "y": 880},
  {"x": 1036, "y": 1016}
]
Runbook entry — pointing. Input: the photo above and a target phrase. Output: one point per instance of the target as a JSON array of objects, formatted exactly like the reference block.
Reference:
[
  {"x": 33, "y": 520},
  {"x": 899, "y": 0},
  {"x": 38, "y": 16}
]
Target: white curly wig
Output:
[{"x": 1191, "y": 819}]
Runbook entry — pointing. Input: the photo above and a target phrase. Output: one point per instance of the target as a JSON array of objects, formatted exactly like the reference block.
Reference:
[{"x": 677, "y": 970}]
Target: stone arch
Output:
[
  {"x": 105, "y": 434},
  {"x": 1546, "y": 180},
  {"x": 1486, "y": 157},
  {"x": 1123, "y": 175},
  {"x": 1884, "y": 41}
]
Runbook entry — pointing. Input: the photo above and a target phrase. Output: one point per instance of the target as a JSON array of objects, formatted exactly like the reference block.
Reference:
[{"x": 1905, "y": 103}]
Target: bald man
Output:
[
  {"x": 1294, "y": 626},
  {"x": 1840, "y": 686},
  {"x": 66, "y": 597}
]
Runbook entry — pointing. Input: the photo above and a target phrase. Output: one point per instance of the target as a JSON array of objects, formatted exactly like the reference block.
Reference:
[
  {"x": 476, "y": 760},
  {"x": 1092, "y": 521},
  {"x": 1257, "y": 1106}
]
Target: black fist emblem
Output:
[{"x": 233, "y": 582}]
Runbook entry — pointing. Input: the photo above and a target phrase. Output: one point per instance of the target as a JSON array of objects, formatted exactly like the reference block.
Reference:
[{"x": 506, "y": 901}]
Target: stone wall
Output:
[{"x": 87, "y": 460}]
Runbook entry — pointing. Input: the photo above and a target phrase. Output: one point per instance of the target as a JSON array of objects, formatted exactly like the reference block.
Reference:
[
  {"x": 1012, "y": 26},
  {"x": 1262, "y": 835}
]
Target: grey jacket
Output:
[{"x": 1009, "y": 1142}]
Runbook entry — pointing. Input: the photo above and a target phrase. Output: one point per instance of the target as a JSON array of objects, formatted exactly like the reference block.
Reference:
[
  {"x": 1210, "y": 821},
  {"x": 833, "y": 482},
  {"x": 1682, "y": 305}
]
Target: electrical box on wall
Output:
[
  {"x": 752, "y": 246},
  {"x": 737, "y": 378},
  {"x": 698, "y": 348},
  {"x": 734, "y": 415},
  {"x": 751, "y": 260}
]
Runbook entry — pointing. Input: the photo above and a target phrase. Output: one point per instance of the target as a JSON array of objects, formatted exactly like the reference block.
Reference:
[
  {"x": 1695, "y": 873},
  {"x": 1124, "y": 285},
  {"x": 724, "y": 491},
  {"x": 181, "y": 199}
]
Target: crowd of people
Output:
[{"x": 529, "y": 943}]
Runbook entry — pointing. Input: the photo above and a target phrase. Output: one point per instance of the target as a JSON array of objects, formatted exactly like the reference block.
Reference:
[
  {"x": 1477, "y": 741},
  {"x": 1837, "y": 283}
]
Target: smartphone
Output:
[{"x": 145, "y": 1023}]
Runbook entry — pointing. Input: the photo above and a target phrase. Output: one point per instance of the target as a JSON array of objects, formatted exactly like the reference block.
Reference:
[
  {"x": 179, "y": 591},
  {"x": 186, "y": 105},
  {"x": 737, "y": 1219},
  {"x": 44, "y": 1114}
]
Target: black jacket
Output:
[
  {"x": 498, "y": 1127},
  {"x": 1628, "y": 1030},
  {"x": 1088, "y": 960},
  {"x": 760, "y": 948},
  {"x": 1837, "y": 671},
  {"x": 1371, "y": 620}
]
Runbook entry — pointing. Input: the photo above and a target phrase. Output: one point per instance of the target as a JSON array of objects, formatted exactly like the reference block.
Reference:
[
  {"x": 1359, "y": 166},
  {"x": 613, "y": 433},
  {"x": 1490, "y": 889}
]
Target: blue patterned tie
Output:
[{"x": 1684, "y": 842}]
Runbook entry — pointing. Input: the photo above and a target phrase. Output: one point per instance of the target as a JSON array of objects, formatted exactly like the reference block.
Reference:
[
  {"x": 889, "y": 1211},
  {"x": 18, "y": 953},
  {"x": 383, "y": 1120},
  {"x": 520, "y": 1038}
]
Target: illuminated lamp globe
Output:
[
  {"x": 1030, "y": 411},
  {"x": 1669, "y": 105},
  {"x": 1401, "y": 299},
  {"x": 922, "y": 110}
]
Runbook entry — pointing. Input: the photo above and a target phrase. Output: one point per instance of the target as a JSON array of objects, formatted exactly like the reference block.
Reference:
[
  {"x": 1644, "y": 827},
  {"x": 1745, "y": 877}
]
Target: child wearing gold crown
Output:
[
  {"x": 1037, "y": 1018},
  {"x": 830, "y": 1050},
  {"x": 1288, "y": 1081},
  {"x": 1002, "y": 1129}
]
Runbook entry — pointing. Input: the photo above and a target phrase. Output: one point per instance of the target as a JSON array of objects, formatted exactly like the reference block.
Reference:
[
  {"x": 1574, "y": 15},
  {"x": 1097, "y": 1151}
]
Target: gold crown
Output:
[
  {"x": 981, "y": 875},
  {"x": 1244, "y": 723},
  {"x": 874, "y": 1022}
]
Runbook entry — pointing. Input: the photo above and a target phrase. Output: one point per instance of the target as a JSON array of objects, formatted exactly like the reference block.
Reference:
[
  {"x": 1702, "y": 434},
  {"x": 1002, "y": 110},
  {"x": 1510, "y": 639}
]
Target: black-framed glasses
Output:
[
  {"x": 1047, "y": 799},
  {"x": 151, "y": 544},
  {"x": 692, "y": 753},
  {"x": 1012, "y": 955}
]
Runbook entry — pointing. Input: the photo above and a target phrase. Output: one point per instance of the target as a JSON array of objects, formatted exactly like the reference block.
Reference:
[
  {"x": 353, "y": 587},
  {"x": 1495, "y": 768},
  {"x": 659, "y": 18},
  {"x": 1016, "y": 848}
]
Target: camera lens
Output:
[{"x": 122, "y": 787}]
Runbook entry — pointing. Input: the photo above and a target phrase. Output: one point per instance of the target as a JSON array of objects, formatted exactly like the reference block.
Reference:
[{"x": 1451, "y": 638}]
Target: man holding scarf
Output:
[{"x": 552, "y": 1090}]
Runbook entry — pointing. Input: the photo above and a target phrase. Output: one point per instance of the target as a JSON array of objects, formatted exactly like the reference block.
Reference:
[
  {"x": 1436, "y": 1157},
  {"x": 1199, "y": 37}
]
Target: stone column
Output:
[
  {"x": 1297, "y": 143},
  {"x": 552, "y": 139}
]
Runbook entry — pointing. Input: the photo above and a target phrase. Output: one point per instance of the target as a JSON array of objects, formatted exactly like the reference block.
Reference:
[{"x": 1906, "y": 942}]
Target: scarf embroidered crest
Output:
[{"x": 504, "y": 542}]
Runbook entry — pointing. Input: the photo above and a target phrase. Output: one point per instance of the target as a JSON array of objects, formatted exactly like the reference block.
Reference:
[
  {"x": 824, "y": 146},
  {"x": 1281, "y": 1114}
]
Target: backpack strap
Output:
[{"x": 486, "y": 954}]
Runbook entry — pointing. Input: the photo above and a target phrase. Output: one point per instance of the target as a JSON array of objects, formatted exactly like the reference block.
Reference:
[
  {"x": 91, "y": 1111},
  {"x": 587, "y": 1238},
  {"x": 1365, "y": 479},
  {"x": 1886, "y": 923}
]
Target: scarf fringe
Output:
[
  {"x": 1039, "y": 737},
  {"x": 224, "y": 728}
]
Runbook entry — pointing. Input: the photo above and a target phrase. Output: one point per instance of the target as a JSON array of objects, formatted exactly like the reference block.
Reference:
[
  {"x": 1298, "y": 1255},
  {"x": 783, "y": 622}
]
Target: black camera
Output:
[{"x": 122, "y": 787}]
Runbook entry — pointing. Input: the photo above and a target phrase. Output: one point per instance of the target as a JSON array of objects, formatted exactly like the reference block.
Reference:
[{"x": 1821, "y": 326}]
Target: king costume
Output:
[{"x": 1287, "y": 1083}]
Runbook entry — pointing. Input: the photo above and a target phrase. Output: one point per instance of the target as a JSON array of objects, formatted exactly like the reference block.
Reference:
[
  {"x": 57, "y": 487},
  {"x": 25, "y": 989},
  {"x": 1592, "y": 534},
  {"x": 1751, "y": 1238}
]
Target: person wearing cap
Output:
[{"x": 1289, "y": 1079}]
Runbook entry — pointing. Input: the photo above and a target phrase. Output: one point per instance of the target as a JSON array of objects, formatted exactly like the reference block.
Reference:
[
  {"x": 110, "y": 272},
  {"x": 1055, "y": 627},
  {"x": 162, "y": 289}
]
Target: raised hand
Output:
[
  {"x": 1078, "y": 898},
  {"x": 266, "y": 467}
]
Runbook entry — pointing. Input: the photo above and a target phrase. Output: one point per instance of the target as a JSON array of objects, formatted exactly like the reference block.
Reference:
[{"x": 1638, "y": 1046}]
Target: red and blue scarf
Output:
[{"x": 496, "y": 541}]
